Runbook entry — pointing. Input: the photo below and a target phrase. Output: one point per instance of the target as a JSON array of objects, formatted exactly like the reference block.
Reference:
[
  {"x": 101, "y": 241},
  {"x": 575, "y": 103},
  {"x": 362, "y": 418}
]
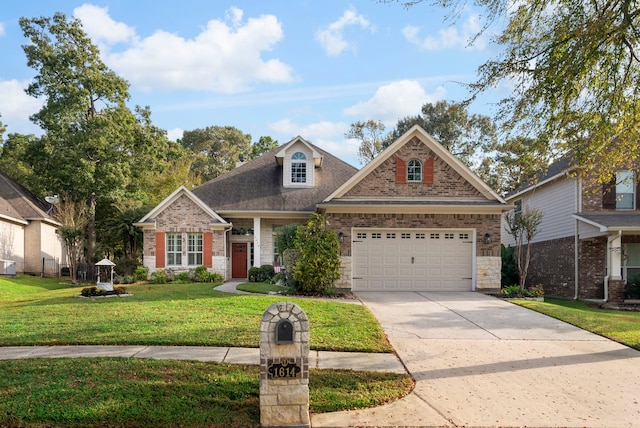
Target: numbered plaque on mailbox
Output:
[{"x": 283, "y": 369}]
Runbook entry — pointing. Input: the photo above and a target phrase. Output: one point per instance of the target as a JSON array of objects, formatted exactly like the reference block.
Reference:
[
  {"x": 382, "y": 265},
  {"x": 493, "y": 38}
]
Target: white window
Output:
[
  {"x": 517, "y": 206},
  {"x": 414, "y": 171},
  {"x": 625, "y": 190},
  {"x": 298, "y": 168},
  {"x": 194, "y": 249},
  {"x": 174, "y": 249}
]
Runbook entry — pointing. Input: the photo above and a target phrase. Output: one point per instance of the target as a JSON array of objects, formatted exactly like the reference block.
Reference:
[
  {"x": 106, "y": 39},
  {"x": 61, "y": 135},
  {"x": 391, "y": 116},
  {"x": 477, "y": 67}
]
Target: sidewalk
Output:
[{"x": 317, "y": 359}]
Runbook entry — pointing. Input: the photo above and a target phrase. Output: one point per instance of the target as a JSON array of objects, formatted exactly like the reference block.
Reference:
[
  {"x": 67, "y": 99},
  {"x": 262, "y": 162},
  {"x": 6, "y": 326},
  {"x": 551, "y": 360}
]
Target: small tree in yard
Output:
[
  {"x": 318, "y": 265},
  {"x": 73, "y": 218},
  {"x": 523, "y": 226}
]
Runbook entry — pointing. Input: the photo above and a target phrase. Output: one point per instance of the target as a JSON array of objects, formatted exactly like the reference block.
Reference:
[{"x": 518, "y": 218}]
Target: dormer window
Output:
[
  {"x": 414, "y": 171},
  {"x": 298, "y": 168}
]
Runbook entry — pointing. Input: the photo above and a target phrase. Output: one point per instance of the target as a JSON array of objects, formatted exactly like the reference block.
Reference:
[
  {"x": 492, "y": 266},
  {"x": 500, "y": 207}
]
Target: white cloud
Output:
[
  {"x": 16, "y": 107},
  {"x": 101, "y": 28},
  {"x": 175, "y": 134},
  {"x": 331, "y": 37},
  {"x": 324, "y": 134},
  {"x": 226, "y": 56},
  {"x": 449, "y": 38},
  {"x": 395, "y": 101}
]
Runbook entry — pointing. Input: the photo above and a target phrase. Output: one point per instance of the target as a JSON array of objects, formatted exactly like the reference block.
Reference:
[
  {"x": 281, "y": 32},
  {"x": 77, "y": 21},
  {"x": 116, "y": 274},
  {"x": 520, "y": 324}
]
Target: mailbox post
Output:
[{"x": 284, "y": 367}]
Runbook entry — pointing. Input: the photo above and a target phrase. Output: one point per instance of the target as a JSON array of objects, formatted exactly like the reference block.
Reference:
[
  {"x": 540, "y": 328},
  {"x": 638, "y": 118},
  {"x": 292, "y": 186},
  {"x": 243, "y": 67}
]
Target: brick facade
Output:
[
  {"x": 553, "y": 265},
  {"x": 382, "y": 182}
]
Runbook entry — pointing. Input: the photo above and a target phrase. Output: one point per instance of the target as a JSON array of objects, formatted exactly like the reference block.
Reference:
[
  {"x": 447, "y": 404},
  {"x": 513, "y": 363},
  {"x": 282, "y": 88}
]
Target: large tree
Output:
[
  {"x": 574, "y": 67},
  {"x": 262, "y": 146},
  {"x": 94, "y": 147},
  {"x": 371, "y": 136},
  {"x": 217, "y": 149}
]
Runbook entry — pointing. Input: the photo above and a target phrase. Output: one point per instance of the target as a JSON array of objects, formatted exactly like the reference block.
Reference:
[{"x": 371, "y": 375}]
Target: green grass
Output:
[
  {"x": 260, "y": 287},
  {"x": 621, "y": 326},
  {"x": 119, "y": 392},
  {"x": 35, "y": 311}
]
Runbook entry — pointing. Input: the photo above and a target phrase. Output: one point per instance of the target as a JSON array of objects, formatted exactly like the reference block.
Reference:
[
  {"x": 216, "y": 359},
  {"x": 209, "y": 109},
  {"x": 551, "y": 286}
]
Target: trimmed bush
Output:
[
  {"x": 160, "y": 277},
  {"x": 632, "y": 287},
  {"x": 141, "y": 274}
]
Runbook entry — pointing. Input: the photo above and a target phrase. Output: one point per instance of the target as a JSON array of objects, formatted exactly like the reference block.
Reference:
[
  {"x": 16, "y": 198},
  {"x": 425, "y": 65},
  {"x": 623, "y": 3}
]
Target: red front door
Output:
[{"x": 239, "y": 260}]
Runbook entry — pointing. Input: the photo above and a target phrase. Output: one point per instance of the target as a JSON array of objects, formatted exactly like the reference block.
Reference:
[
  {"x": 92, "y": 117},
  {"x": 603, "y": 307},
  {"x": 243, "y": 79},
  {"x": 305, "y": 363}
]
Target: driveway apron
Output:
[{"x": 481, "y": 361}]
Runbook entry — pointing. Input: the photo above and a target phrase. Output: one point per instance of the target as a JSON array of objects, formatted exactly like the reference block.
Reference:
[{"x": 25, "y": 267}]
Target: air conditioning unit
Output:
[{"x": 7, "y": 267}]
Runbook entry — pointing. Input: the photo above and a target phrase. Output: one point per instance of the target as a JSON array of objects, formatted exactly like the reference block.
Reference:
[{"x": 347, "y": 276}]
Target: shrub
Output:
[
  {"x": 254, "y": 272},
  {"x": 632, "y": 287},
  {"x": 263, "y": 273},
  {"x": 514, "y": 291},
  {"x": 289, "y": 259},
  {"x": 183, "y": 277},
  {"x": 126, "y": 266},
  {"x": 201, "y": 274},
  {"x": 95, "y": 291},
  {"x": 141, "y": 274},
  {"x": 127, "y": 279},
  {"x": 318, "y": 266},
  {"x": 509, "y": 272},
  {"x": 160, "y": 277}
]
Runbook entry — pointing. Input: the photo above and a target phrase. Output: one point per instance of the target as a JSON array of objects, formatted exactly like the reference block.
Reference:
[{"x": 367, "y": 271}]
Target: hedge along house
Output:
[{"x": 415, "y": 218}]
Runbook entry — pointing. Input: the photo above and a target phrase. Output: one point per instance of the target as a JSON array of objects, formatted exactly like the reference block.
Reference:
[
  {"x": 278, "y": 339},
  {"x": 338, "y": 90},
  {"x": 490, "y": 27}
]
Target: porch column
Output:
[
  {"x": 256, "y": 241},
  {"x": 615, "y": 257}
]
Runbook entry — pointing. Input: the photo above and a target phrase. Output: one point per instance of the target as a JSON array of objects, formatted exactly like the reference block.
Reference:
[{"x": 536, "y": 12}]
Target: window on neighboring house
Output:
[
  {"x": 625, "y": 190},
  {"x": 517, "y": 206},
  {"x": 298, "y": 168},
  {"x": 414, "y": 171},
  {"x": 194, "y": 249},
  {"x": 174, "y": 249}
]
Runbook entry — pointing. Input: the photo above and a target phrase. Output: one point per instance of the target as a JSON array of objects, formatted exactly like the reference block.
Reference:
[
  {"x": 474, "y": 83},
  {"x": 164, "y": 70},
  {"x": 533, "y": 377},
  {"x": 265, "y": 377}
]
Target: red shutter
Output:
[
  {"x": 160, "y": 253},
  {"x": 427, "y": 173},
  {"x": 401, "y": 171},
  {"x": 609, "y": 195},
  {"x": 207, "y": 253}
]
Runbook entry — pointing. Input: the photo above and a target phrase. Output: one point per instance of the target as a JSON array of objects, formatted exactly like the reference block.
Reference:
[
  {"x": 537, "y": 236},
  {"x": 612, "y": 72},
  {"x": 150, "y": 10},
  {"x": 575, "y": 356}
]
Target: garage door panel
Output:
[{"x": 403, "y": 259}]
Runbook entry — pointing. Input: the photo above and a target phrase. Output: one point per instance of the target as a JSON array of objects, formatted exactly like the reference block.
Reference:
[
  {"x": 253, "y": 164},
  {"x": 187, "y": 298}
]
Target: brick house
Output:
[
  {"x": 415, "y": 218},
  {"x": 28, "y": 239},
  {"x": 589, "y": 238}
]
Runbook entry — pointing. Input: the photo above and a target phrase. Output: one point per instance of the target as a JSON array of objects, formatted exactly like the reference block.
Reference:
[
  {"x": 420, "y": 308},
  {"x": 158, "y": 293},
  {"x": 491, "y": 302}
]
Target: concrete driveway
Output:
[{"x": 480, "y": 361}]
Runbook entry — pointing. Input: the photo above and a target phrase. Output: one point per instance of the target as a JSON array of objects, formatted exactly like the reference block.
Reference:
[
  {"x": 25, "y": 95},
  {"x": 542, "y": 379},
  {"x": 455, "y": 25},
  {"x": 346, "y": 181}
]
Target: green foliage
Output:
[
  {"x": 632, "y": 287},
  {"x": 263, "y": 273},
  {"x": 264, "y": 144},
  {"x": 285, "y": 238},
  {"x": 160, "y": 276},
  {"x": 141, "y": 273},
  {"x": 318, "y": 265},
  {"x": 523, "y": 226},
  {"x": 201, "y": 274},
  {"x": 97, "y": 292},
  {"x": 215, "y": 149},
  {"x": 509, "y": 272},
  {"x": 371, "y": 137},
  {"x": 514, "y": 291},
  {"x": 184, "y": 277}
]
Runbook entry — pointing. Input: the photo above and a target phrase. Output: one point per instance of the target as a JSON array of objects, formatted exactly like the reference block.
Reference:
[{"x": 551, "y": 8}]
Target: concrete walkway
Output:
[
  {"x": 479, "y": 361},
  {"x": 317, "y": 359}
]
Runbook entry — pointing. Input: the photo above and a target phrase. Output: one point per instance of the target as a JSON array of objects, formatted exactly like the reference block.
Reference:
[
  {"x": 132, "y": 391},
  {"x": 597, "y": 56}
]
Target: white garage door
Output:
[{"x": 412, "y": 260}]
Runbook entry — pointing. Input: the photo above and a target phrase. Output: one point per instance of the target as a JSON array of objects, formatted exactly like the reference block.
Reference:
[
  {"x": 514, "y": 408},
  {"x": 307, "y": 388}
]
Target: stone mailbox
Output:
[{"x": 284, "y": 366}]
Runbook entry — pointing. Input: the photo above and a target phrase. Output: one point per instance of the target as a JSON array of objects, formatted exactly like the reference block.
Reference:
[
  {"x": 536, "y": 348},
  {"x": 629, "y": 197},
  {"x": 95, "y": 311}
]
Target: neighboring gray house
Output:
[
  {"x": 27, "y": 233},
  {"x": 589, "y": 238},
  {"x": 415, "y": 218}
]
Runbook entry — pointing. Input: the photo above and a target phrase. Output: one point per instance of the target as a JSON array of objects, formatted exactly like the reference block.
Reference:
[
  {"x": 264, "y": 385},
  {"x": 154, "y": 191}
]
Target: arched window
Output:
[
  {"x": 414, "y": 171},
  {"x": 298, "y": 168}
]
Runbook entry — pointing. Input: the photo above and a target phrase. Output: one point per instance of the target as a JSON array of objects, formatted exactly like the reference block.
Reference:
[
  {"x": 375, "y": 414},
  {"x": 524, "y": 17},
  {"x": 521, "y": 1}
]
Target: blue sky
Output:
[{"x": 280, "y": 68}]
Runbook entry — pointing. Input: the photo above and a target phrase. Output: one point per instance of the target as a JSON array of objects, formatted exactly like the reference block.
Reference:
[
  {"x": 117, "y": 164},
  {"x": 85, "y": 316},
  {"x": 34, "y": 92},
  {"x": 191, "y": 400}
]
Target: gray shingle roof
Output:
[
  {"x": 18, "y": 202},
  {"x": 257, "y": 186},
  {"x": 618, "y": 220}
]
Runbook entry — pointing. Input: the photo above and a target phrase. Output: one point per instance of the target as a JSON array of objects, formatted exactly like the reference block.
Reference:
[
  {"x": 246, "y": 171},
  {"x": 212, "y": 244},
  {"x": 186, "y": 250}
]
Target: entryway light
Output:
[
  {"x": 341, "y": 237},
  {"x": 487, "y": 238}
]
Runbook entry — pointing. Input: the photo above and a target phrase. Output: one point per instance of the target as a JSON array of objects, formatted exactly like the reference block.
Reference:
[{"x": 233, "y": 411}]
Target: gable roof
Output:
[
  {"x": 416, "y": 131},
  {"x": 149, "y": 219},
  {"x": 19, "y": 204},
  {"x": 317, "y": 157},
  {"x": 557, "y": 169},
  {"x": 257, "y": 186}
]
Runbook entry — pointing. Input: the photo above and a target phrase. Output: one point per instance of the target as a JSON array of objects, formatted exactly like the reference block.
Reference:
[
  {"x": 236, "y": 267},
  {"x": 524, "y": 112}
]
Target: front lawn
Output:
[
  {"x": 621, "y": 326},
  {"x": 36, "y": 311},
  {"x": 119, "y": 392}
]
